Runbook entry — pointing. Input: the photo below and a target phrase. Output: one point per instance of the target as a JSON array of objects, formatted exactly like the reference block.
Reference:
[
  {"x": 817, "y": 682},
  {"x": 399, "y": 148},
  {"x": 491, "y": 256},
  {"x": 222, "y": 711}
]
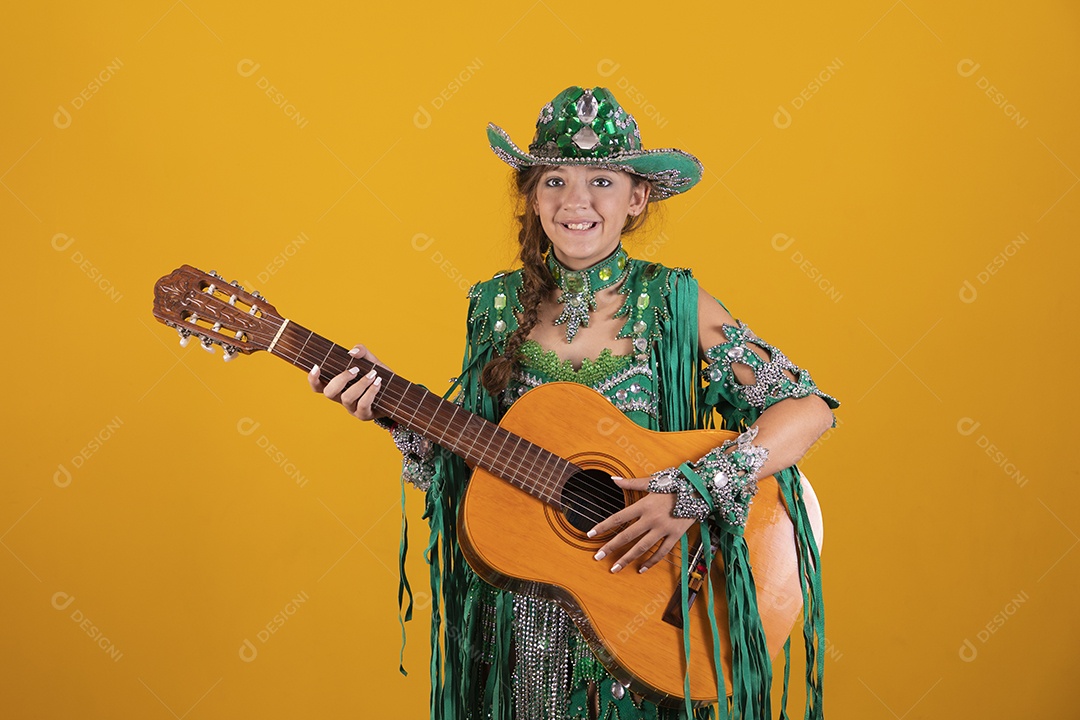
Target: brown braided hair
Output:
[{"x": 537, "y": 283}]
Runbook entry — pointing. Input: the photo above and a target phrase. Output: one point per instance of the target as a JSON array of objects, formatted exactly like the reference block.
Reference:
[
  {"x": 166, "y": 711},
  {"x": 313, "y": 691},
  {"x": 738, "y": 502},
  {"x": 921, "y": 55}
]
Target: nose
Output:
[{"x": 577, "y": 194}]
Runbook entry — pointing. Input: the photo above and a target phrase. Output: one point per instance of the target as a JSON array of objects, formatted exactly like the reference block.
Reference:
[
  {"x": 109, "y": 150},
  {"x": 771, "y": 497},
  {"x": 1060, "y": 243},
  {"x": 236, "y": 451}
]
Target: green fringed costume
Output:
[{"x": 501, "y": 655}]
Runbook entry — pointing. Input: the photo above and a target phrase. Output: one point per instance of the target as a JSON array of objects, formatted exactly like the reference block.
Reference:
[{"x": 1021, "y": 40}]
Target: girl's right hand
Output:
[{"x": 358, "y": 397}]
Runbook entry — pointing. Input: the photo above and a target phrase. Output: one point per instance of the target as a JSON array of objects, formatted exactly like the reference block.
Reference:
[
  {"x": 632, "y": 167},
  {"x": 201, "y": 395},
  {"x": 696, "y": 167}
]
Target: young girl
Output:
[{"x": 581, "y": 310}]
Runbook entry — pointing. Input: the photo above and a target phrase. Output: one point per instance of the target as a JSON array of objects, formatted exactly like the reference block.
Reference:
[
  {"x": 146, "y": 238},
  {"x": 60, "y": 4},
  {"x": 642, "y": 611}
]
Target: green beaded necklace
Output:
[{"x": 580, "y": 286}]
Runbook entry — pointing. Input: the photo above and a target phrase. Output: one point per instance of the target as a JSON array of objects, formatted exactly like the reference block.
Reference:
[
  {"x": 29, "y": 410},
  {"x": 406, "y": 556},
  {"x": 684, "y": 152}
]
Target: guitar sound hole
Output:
[{"x": 589, "y": 497}]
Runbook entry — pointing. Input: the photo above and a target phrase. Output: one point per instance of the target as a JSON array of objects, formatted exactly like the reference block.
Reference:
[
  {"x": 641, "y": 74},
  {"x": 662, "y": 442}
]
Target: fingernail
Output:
[
  {"x": 354, "y": 351},
  {"x": 591, "y": 533},
  {"x": 616, "y": 568},
  {"x": 378, "y": 381},
  {"x": 599, "y": 555},
  {"x": 643, "y": 569},
  {"x": 371, "y": 374},
  {"x": 616, "y": 477},
  {"x": 354, "y": 370},
  {"x": 314, "y": 370}
]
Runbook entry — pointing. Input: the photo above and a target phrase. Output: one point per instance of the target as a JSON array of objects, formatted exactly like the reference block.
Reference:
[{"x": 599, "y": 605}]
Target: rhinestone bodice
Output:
[{"x": 625, "y": 380}]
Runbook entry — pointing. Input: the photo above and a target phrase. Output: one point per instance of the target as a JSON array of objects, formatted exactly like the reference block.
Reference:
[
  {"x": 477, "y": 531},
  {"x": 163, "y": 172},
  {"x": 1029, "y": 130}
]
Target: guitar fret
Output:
[
  {"x": 413, "y": 416},
  {"x": 468, "y": 438},
  {"x": 485, "y": 434},
  {"x": 465, "y": 434},
  {"x": 474, "y": 445},
  {"x": 511, "y": 459},
  {"x": 543, "y": 486},
  {"x": 554, "y": 476},
  {"x": 551, "y": 483},
  {"x": 531, "y": 453},
  {"x": 511, "y": 477},
  {"x": 306, "y": 341},
  {"x": 501, "y": 440},
  {"x": 431, "y": 416},
  {"x": 559, "y": 471},
  {"x": 511, "y": 468},
  {"x": 327, "y": 356},
  {"x": 450, "y": 421},
  {"x": 549, "y": 475},
  {"x": 534, "y": 455},
  {"x": 383, "y": 399},
  {"x": 521, "y": 478}
]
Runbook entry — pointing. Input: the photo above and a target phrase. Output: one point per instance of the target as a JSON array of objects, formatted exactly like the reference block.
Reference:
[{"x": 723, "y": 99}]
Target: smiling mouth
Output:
[{"x": 579, "y": 226}]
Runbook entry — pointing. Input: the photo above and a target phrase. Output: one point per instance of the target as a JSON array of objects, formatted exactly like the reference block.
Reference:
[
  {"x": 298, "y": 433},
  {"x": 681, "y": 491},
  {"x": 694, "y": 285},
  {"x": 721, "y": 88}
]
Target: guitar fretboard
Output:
[{"x": 480, "y": 442}]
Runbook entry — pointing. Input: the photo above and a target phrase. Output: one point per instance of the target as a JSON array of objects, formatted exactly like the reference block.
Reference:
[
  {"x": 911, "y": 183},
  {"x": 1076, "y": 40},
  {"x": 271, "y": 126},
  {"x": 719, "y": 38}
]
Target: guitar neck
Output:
[{"x": 480, "y": 442}]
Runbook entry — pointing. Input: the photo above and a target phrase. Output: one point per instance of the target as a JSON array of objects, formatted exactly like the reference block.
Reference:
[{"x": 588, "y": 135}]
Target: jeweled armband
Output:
[
  {"x": 770, "y": 384},
  {"x": 728, "y": 478},
  {"x": 417, "y": 453}
]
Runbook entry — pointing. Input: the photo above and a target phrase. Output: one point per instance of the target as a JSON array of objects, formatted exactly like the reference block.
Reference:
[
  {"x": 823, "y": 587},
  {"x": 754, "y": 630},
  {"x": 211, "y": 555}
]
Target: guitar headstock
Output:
[{"x": 215, "y": 311}]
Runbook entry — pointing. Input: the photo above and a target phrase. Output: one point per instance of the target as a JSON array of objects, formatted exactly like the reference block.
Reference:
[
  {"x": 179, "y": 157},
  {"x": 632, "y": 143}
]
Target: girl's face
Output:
[{"x": 583, "y": 210}]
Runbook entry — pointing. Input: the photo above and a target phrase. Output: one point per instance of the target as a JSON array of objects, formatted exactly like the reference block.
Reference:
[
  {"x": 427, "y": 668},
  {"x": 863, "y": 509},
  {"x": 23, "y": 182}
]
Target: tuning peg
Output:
[
  {"x": 213, "y": 274},
  {"x": 185, "y": 337},
  {"x": 237, "y": 285},
  {"x": 230, "y": 352},
  {"x": 257, "y": 295},
  {"x": 207, "y": 344}
]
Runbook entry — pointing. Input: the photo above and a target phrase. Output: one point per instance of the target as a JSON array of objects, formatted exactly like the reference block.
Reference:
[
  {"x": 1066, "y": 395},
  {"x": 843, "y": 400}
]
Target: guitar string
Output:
[
  {"x": 589, "y": 506},
  {"x": 592, "y": 505},
  {"x": 600, "y": 513},
  {"x": 672, "y": 558},
  {"x": 587, "y": 501}
]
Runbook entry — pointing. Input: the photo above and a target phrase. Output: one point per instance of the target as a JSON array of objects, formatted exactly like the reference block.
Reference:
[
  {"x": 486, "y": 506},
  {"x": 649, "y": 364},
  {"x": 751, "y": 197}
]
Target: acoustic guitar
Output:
[{"x": 540, "y": 479}]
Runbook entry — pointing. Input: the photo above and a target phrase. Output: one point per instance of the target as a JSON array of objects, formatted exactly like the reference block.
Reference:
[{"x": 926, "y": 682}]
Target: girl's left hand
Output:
[{"x": 653, "y": 523}]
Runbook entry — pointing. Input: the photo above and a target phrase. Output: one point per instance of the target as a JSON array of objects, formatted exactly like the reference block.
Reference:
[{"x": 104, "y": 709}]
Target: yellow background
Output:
[{"x": 859, "y": 178}]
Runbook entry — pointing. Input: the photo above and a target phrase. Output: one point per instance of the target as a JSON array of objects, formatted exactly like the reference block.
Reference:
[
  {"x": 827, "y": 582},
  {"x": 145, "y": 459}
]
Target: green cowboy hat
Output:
[{"x": 589, "y": 127}]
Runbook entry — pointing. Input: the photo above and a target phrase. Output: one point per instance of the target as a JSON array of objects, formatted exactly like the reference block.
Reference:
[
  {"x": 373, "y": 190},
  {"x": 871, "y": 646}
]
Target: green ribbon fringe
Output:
[{"x": 457, "y": 690}]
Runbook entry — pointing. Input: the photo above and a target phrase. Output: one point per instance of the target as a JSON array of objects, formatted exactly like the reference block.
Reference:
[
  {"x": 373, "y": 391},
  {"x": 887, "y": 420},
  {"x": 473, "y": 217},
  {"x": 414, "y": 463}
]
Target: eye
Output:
[
  {"x": 602, "y": 182},
  {"x": 553, "y": 182}
]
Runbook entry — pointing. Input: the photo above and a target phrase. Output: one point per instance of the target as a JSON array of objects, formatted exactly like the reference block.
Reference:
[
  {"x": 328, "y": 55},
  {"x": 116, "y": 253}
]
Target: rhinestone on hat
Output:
[
  {"x": 587, "y": 107},
  {"x": 586, "y": 138}
]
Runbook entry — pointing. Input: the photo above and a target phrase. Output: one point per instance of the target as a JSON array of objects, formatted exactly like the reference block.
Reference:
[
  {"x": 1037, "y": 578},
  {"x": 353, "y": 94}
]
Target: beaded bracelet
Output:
[
  {"x": 720, "y": 481},
  {"x": 417, "y": 453}
]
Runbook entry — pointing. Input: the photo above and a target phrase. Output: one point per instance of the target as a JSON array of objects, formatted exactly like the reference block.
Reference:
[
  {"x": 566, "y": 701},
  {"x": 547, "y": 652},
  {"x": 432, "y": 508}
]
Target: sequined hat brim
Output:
[{"x": 671, "y": 171}]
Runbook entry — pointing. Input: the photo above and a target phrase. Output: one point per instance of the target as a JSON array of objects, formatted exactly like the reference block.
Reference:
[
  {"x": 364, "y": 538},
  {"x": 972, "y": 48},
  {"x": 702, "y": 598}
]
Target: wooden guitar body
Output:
[{"x": 517, "y": 542}]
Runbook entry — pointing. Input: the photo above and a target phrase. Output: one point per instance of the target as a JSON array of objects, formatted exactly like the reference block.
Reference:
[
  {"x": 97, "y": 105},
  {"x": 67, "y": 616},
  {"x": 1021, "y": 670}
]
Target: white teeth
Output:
[{"x": 579, "y": 226}]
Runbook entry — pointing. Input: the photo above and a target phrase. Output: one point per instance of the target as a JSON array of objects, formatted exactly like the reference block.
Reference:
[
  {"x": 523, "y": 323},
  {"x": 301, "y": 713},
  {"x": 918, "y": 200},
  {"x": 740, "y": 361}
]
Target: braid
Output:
[{"x": 537, "y": 282}]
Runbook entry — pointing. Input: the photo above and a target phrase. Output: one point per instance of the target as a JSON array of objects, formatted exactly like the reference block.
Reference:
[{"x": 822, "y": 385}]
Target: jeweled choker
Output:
[{"x": 580, "y": 286}]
